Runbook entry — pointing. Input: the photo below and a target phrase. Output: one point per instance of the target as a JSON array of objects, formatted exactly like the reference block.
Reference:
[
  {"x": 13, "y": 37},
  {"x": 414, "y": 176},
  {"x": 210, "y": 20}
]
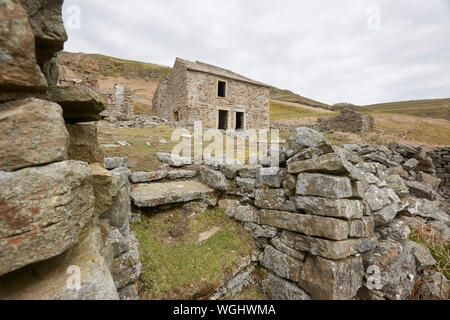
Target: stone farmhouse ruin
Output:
[{"x": 220, "y": 98}]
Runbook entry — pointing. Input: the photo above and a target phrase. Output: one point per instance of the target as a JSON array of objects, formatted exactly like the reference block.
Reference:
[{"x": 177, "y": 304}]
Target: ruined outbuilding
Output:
[
  {"x": 348, "y": 121},
  {"x": 220, "y": 98}
]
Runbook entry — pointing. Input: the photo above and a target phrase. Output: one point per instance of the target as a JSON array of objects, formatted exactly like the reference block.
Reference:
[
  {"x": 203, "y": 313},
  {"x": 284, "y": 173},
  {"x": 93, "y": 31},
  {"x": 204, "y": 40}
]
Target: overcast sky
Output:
[{"x": 354, "y": 51}]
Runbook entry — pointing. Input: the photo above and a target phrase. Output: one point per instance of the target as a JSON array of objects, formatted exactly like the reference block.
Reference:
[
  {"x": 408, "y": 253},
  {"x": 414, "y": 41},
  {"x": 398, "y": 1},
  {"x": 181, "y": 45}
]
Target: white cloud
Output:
[{"x": 320, "y": 49}]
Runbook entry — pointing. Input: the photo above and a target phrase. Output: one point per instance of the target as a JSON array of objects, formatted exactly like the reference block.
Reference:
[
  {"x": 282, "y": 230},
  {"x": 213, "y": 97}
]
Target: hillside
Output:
[
  {"x": 433, "y": 108},
  {"x": 142, "y": 77}
]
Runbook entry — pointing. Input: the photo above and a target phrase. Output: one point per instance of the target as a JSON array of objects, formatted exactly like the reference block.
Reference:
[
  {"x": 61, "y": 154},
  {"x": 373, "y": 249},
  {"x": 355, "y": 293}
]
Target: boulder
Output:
[
  {"x": 51, "y": 279},
  {"x": 79, "y": 104},
  {"x": 105, "y": 187},
  {"x": 305, "y": 138},
  {"x": 84, "y": 144},
  {"x": 338, "y": 208},
  {"x": 42, "y": 212},
  {"x": 281, "y": 264},
  {"x": 312, "y": 184},
  {"x": 329, "y": 228},
  {"x": 214, "y": 179},
  {"x": 18, "y": 66},
  {"x": 279, "y": 289},
  {"x": 326, "y": 279},
  {"x": 33, "y": 133}
]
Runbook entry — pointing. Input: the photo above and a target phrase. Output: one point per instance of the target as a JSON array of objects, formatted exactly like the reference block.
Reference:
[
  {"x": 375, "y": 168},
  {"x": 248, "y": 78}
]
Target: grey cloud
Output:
[{"x": 320, "y": 49}]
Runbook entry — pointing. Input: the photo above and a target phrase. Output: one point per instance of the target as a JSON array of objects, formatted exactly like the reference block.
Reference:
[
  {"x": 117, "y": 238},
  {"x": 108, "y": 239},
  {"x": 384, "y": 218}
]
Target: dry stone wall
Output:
[{"x": 61, "y": 212}]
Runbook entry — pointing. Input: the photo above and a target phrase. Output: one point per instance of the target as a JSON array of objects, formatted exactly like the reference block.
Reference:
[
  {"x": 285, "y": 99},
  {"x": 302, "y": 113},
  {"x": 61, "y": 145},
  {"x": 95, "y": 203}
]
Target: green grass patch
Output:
[
  {"x": 181, "y": 267},
  {"x": 280, "y": 110}
]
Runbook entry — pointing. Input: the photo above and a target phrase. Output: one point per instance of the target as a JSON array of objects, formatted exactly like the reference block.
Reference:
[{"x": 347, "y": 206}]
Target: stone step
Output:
[{"x": 156, "y": 194}]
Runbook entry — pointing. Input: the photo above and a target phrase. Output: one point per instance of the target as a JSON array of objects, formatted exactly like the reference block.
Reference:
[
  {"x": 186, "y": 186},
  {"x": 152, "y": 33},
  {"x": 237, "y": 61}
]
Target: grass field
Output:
[{"x": 175, "y": 265}]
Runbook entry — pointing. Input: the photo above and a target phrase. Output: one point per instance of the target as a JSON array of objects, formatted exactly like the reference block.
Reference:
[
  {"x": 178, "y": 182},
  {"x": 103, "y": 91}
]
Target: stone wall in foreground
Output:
[
  {"x": 64, "y": 219},
  {"x": 334, "y": 223}
]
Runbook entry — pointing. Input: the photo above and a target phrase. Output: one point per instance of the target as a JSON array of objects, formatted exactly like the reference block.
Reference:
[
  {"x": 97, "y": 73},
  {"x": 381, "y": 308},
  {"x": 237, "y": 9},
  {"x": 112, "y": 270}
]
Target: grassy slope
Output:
[
  {"x": 433, "y": 108},
  {"x": 181, "y": 267},
  {"x": 289, "y": 96}
]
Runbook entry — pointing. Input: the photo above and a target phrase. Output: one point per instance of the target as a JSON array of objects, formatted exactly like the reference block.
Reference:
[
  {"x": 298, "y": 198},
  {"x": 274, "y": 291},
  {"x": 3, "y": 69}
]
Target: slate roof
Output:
[{"x": 210, "y": 69}]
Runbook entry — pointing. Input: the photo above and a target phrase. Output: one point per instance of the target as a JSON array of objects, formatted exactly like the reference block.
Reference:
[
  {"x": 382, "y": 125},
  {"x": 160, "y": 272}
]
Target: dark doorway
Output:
[
  {"x": 239, "y": 120},
  {"x": 175, "y": 115},
  {"x": 222, "y": 89},
  {"x": 223, "y": 120}
]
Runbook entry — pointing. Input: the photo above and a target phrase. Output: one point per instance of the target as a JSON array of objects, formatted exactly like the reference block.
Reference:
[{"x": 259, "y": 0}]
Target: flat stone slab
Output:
[
  {"x": 79, "y": 104},
  {"x": 156, "y": 194}
]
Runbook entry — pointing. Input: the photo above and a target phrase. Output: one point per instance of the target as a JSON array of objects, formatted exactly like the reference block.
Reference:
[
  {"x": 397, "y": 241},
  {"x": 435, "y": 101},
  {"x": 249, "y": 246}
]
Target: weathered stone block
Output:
[
  {"x": 325, "y": 227},
  {"x": 84, "y": 144},
  {"x": 214, "y": 179},
  {"x": 279, "y": 289},
  {"x": 155, "y": 194},
  {"x": 18, "y": 65},
  {"x": 48, "y": 280},
  {"x": 363, "y": 228},
  {"x": 281, "y": 245},
  {"x": 119, "y": 213},
  {"x": 116, "y": 162},
  {"x": 376, "y": 198},
  {"x": 326, "y": 248},
  {"x": 32, "y": 133},
  {"x": 143, "y": 177},
  {"x": 305, "y": 138},
  {"x": 281, "y": 264},
  {"x": 339, "y": 208},
  {"x": 42, "y": 212},
  {"x": 105, "y": 187},
  {"x": 79, "y": 104},
  {"x": 327, "y": 279},
  {"x": 329, "y": 163},
  {"x": 271, "y": 177},
  {"x": 247, "y": 214},
  {"x": 270, "y": 198},
  {"x": 262, "y": 231},
  {"x": 309, "y": 184}
]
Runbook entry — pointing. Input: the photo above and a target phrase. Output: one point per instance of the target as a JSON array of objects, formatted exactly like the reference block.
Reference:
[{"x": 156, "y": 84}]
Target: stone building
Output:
[{"x": 220, "y": 98}]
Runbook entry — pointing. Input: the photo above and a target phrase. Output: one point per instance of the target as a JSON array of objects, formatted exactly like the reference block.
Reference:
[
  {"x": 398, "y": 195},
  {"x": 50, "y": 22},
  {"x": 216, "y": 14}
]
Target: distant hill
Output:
[
  {"x": 433, "y": 108},
  {"x": 289, "y": 96},
  {"x": 142, "y": 77}
]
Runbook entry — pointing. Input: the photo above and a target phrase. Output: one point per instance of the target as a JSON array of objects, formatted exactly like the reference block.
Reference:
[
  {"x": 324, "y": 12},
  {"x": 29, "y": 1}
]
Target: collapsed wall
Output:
[
  {"x": 347, "y": 121},
  {"x": 64, "y": 219},
  {"x": 441, "y": 159}
]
